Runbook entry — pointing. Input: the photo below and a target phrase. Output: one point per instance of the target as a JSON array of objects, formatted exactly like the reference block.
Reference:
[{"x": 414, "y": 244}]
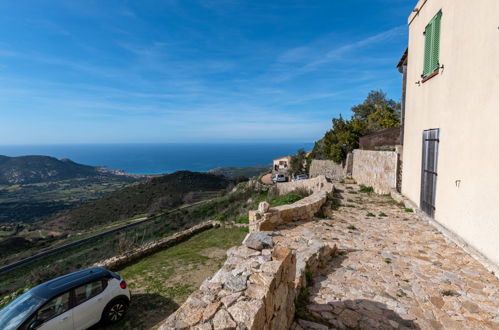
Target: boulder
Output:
[
  {"x": 263, "y": 207},
  {"x": 258, "y": 240}
]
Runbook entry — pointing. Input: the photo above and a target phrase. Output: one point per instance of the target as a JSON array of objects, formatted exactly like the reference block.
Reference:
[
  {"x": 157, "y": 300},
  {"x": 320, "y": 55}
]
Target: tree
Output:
[
  {"x": 375, "y": 113},
  {"x": 298, "y": 162}
]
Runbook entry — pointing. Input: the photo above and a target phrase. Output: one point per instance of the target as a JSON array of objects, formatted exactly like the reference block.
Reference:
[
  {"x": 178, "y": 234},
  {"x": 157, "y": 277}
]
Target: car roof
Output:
[{"x": 66, "y": 282}]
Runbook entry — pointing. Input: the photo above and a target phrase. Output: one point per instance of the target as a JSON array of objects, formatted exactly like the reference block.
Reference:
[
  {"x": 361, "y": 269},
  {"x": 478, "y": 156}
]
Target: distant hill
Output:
[
  {"x": 235, "y": 172},
  {"x": 37, "y": 187},
  {"x": 36, "y": 169},
  {"x": 155, "y": 194}
]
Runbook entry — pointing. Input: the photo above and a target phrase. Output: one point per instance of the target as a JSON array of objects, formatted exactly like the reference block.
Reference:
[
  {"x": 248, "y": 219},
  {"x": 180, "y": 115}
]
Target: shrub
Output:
[
  {"x": 409, "y": 210},
  {"x": 365, "y": 189}
]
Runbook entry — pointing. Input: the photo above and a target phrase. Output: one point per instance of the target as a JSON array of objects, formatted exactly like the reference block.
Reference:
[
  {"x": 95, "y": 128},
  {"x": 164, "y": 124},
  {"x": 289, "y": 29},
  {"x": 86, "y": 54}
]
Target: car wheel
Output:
[{"x": 115, "y": 311}]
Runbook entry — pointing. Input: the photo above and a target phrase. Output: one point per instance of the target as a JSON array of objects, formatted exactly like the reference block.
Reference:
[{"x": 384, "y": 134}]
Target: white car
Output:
[
  {"x": 74, "y": 301},
  {"x": 279, "y": 177},
  {"x": 300, "y": 177}
]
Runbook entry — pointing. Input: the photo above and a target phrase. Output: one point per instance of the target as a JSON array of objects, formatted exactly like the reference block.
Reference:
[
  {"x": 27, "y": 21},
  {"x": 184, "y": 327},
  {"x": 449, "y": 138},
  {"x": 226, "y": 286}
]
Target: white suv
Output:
[{"x": 74, "y": 301}]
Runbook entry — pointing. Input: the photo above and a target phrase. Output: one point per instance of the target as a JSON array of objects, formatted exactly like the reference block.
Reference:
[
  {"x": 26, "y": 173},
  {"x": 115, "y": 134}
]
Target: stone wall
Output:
[
  {"x": 118, "y": 262},
  {"x": 258, "y": 284},
  {"x": 313, "y": 185},
  {"x": 328, "y": 168},
  {"x": 255, "y": 289},
  {"x": 266, "y": 218},
  {"x": 377, "y": 169}
]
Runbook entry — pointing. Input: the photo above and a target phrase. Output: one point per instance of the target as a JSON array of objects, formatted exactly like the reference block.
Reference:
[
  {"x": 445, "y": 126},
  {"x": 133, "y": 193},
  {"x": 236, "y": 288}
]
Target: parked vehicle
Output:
[
  {"x": 300, "y": 177},
  {"x": 74, "y": 301},
  {"x": 279, "y": 177}
]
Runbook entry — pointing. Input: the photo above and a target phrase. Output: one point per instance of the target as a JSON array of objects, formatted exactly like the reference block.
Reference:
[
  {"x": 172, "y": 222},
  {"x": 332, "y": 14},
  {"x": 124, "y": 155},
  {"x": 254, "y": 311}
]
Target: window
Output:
[
  {"x": 53, "y": 308},
  {"x": 432, "y": 46},
  {"x": 88, "y": 291}
]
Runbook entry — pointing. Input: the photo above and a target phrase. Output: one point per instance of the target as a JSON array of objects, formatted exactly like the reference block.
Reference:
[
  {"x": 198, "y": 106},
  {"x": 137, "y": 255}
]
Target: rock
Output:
[
  {"x": 263, "y": 207},
  {"x": 258, "y": 241},
  {"x": 312, "y": 325},
  {"x": 210, "y": 310},
  {"x": 223, "y": 321},
  {"x": 230, "y": 299},
  {"x": 256, "y": 291},
  {"x": 350, "y": 318},
  {"x": 250, "y": 313},
  {"x": 471, "y": 307},
  {"x": 236, "y": 283}
]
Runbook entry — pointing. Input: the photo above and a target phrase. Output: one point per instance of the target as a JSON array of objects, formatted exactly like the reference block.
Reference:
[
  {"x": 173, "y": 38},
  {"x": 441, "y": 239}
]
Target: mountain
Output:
[
  {"x": 36, "y": 169},
  {"x": 158, "y": 193},
  {"x": 235, "y": 172}
]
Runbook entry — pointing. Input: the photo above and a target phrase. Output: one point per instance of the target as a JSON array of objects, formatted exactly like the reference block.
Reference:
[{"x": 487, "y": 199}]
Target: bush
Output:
[{"x": 365, "y": 189}]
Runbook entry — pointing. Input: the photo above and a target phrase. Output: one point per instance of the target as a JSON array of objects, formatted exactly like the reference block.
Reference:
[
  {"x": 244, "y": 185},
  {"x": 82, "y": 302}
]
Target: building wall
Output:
[{"x": 463, "y": 102}]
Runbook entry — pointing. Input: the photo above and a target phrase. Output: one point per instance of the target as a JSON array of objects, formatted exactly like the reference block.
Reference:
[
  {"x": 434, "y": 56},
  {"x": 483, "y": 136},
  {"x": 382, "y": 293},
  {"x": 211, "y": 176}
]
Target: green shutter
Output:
[
  {"x": 435, "y": 47},
  {"x": 432, "y": 45},
  {"x": 427, "y": 50}
]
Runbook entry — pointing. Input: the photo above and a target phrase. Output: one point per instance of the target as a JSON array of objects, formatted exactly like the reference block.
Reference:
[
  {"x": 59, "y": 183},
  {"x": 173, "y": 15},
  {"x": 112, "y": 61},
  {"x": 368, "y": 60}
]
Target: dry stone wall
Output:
[
  {"x": 328, "y": 168},
  {"x": 257, "y": 286},
  {"x": 118, "y": 262},
  {"x": 266, "y": 218},
  {"x": 377, "y": 169}
]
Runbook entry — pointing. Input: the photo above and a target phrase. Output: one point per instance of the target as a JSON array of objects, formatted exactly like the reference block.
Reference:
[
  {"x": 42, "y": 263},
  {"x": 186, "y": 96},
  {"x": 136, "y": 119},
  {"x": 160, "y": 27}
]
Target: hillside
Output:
[
  {"x": 37, "y": 187},
  {"x": 155, "y": 194},
  {"x": 236, "y": 172},
  {"x": 35, "y": 169}
]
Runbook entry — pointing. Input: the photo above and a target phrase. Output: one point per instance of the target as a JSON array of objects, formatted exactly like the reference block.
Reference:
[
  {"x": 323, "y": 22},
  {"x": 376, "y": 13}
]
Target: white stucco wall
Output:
[{"x": 463, "y": 101}]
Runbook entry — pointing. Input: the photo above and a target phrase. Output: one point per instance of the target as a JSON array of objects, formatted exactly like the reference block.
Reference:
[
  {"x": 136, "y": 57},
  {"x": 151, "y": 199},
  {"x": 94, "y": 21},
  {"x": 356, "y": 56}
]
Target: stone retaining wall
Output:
[
  {"x": 328, "y": 168},
  {"x": 266, "y": 218},
  {"x": 313, "y": 185},
  {"x": 120, "y": 261},
  {"x": 257, "y": 286},
  {"x": 377, "y": 169},
  {"x": 255, "y": 289}
]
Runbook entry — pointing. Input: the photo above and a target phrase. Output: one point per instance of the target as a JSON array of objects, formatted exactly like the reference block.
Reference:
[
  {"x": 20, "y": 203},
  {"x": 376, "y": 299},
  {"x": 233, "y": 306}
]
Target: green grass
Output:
[
  {"x": 284, "y": 199},
  {"x": 161, "y": 282},
  {"x": 242, "y": 219},
  {"x": 408, "y": 210}
]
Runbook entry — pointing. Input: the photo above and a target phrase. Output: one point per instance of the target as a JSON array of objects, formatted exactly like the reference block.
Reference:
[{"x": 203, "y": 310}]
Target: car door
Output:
[
  {"x": 90, "y": 300},
  {"x": 56, "y": 314}
]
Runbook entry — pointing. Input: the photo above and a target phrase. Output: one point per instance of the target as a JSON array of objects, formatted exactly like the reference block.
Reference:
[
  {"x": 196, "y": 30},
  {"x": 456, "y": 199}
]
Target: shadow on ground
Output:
[
  {"x": 146, "y": 310},
  {"x": 346, "y": 314}
]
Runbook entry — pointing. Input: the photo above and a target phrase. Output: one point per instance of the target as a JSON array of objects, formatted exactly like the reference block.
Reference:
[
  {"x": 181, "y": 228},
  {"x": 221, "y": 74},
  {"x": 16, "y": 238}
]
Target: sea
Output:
[{"x": 162, "y": 158}]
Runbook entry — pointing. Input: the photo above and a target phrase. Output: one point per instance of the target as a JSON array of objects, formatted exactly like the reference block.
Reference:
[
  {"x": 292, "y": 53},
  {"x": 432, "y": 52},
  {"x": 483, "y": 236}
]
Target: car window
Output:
[
  {"x": 89, "y": 290},
  {"x": 53, "y": 308},
  {"x": 14, "y": 314}
]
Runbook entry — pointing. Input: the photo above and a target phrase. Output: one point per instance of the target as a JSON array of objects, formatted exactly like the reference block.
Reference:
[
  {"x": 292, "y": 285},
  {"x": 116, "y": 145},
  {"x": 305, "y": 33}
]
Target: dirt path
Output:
[{"x": 396, "y": 271}]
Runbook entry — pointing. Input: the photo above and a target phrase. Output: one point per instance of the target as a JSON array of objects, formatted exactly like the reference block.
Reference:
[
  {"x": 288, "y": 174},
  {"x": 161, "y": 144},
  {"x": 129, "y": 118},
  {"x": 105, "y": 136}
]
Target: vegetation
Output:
[
  {"x": 158, "y": 282},
  {"x": 365, "y": 189},
  {"x": 408, "y": 210},
  {"x": 149, "y": 197},
  {"x": 241, "y": 172},
  {"x": 375, "y": 113},
  {"x": 298, "y": 162},
  {"x": 37, "y": 201}
]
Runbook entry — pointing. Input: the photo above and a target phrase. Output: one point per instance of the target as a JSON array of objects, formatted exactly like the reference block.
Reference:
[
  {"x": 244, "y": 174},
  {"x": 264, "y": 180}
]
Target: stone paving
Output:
[{"x": 393, "y": 271}]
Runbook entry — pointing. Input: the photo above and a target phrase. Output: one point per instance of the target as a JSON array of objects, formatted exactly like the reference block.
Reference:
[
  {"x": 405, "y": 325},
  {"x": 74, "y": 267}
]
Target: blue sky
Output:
[{"x": 192, "y": 71}]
